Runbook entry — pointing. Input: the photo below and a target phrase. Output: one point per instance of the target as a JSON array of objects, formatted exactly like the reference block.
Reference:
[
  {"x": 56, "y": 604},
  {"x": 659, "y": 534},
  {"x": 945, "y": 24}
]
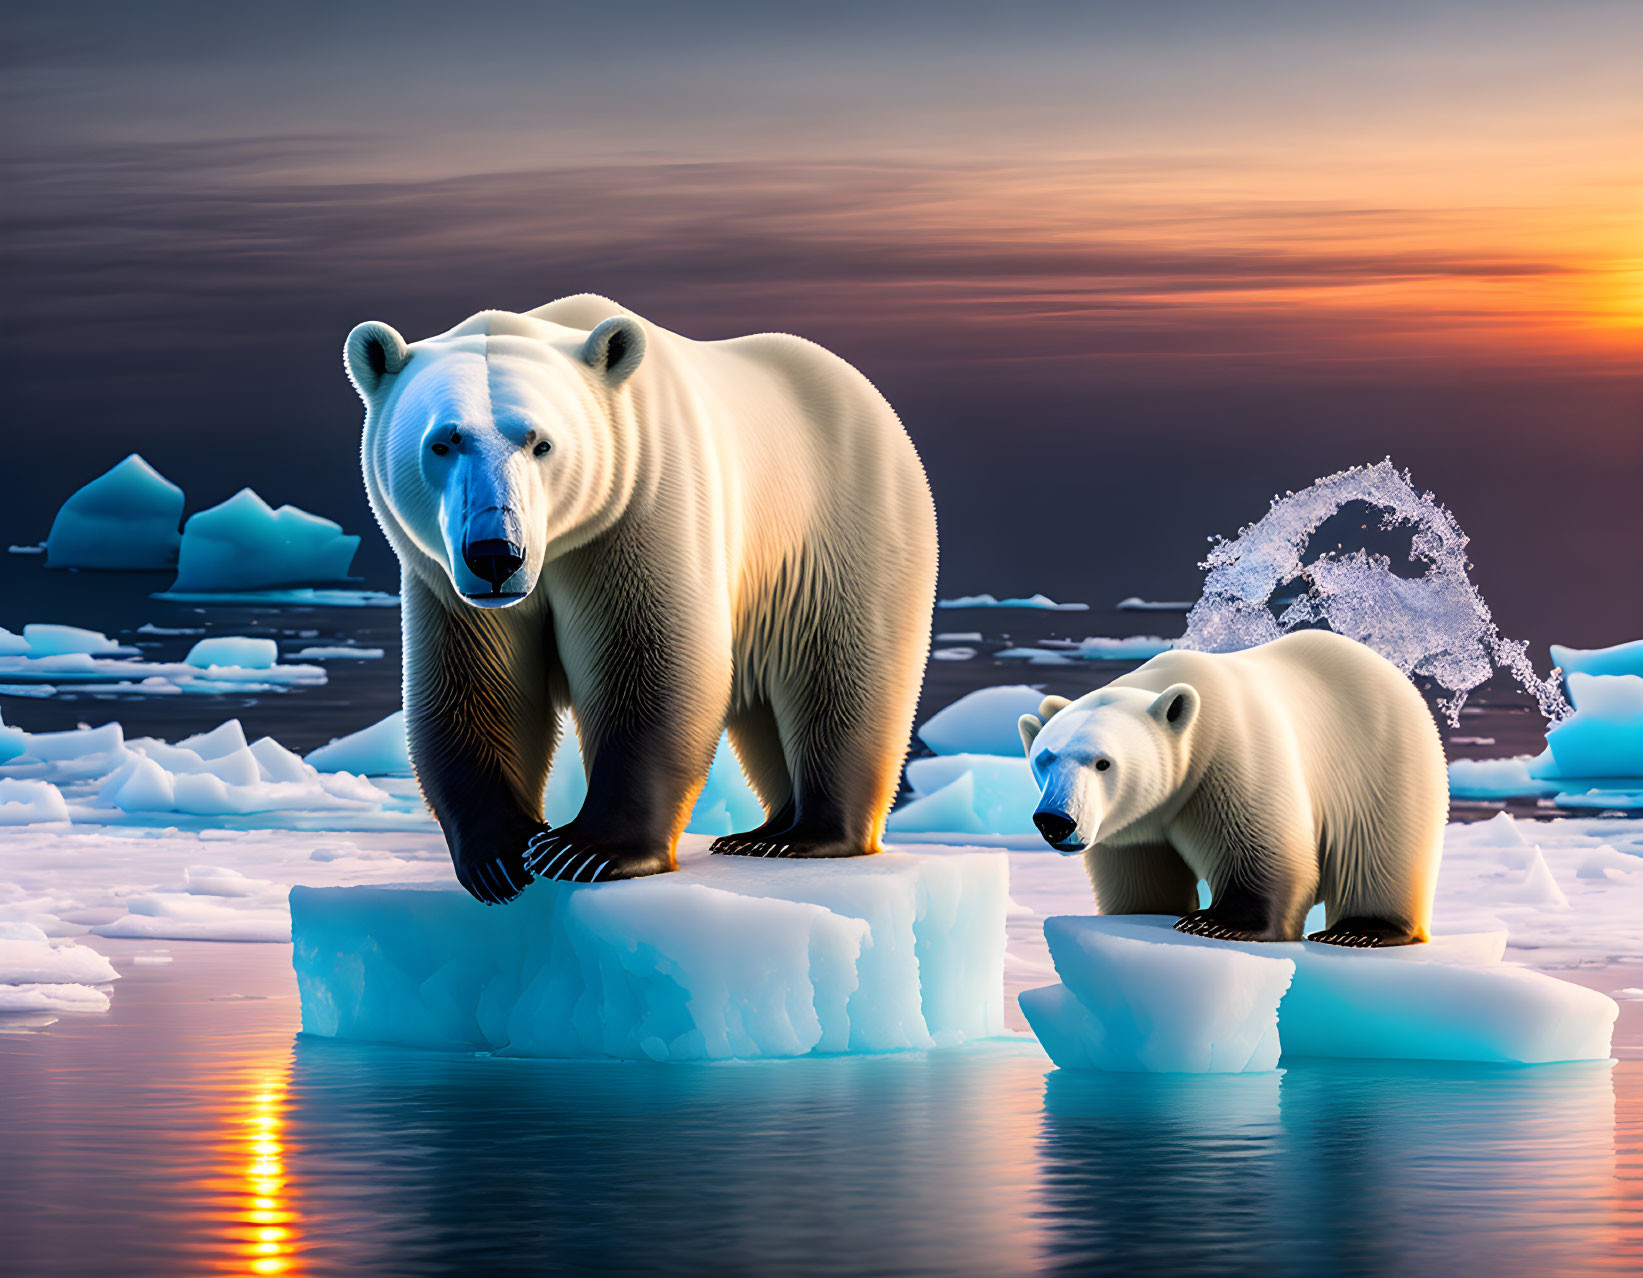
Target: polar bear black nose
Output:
[
  {"x": 493, "y": 560},
  {"x": 1054, "y": 826}
]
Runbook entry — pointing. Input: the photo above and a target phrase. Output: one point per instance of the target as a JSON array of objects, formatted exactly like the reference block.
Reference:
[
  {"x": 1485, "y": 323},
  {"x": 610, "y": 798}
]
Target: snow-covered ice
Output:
[
  {"x": 1137, "y": 995},
  {"x": 1040, "y": 603},
  {"x": 723, "y": 959},
  {"x": 126, "y": 518},
  {"x": 40, "y": 975},
  {"x": 30, "y": 802},
  {"x": 243, "y": 545},
  {"x": 1096, "y": 648}
]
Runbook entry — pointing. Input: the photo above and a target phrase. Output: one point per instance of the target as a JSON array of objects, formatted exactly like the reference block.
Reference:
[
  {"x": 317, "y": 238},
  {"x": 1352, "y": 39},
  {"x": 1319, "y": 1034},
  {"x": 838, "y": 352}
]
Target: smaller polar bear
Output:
[{"x": 1308, "y": 769}]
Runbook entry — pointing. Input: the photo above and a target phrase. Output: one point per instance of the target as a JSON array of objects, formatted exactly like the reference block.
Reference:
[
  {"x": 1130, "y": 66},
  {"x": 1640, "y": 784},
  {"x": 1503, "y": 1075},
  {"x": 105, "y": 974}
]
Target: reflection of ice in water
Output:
[{"x": 1434, "y": 624}]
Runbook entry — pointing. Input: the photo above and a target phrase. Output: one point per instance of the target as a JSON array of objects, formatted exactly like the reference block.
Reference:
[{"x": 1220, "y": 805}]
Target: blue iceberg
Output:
[
  {"x": 243, "y": 545},
  {"x": 125, "y": 519}
]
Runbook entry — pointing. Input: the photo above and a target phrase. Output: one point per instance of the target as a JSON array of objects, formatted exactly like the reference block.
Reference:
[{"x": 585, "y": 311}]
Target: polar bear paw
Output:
[
  {"x": 1363, "y": 934},
  {"x": 494, "y": 879},
  {"x": 570, "y": 856},
  {"x": 1219, "y": 927},
  {"x": 788, "y": 845}
]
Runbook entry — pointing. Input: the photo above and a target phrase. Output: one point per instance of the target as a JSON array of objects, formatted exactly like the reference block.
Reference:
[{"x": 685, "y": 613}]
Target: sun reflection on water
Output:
[{"x": 260, "y": 1222}]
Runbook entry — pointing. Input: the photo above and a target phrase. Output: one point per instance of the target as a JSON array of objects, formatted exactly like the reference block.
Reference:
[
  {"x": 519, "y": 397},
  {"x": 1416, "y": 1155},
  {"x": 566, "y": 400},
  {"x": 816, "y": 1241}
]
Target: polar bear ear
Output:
[
  {"x": 1052, "y": 706},
  {"x": 373, "y": 352},
  {"x": 615, "y": 348},
  {"x": 1030, "y": 726},
  {"x": 1176, "y": 706}
]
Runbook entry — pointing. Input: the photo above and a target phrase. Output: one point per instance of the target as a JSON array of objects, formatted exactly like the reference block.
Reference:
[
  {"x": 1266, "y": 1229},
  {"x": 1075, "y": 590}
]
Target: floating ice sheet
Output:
[
  {"x": 1137, "y": 995},
  {"x": 726, "y": 958},
  {"x": 1040, "y": 603}
]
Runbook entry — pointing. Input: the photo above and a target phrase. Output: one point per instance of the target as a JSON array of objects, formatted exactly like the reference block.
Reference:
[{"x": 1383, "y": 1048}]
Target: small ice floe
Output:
[
  {"x": 40, "y": 975},
  {"x": 125, "y": 519},
  {"x": 1041, "y": 603},
  {"x": 982, "y": 722},
  {"x": 297, "y": 597},
  {"x": 1136, "y": 995},
  {"x": 38, "y": 549},
  {"x": 30, "y": 803},
  {"x": 62, "y": 660},
  {"x": 959, "y": 636},
  {"x": 242, "y": 544},
  {"x": 337, "y": 653},
  {"x": 967, "y": 794},
  {"x": 727, "y": 958},
  {"x": 1621, "y": 659},
  {"x": 1136, "y": 604},
  {"x": 953, "y": 654},
  {"x": 149, "y": 628}
]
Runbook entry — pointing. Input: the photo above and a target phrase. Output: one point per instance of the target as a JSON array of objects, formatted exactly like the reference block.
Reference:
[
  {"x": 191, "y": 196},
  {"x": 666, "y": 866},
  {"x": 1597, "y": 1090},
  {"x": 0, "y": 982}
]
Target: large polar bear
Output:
[
  {"x": 668, "y": 538},
  {"x": 1305, "y": 770}
]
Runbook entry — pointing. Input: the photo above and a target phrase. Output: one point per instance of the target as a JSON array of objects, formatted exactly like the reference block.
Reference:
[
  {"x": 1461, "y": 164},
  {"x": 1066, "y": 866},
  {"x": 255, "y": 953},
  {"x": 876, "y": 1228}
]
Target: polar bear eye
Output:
[
  {"x": 1101, "y": 765},
  {"x": 440, "y": 450},
  {"x": 542, "y": 449}
]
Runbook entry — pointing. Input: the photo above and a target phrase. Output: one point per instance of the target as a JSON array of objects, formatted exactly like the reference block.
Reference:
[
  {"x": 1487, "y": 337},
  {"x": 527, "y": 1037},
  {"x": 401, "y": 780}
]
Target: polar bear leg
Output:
[
  {"x": 1145, "y": 879},
  {"x": 482, "y": 723},
  {"x": 758, "y": 745},
  {"x": 649, "y": 673}
]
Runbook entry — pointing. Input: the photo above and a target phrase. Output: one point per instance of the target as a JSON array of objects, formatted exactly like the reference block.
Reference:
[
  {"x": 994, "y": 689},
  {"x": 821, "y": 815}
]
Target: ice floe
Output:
[
  {"x": 1053, "y": 652},
  {"x": 126, "y": 519},
  {"x": 724, "y": 959},
  {"x": 1137, "y": 995},
  {"x": 55, "y": 659},
  {"x": 40, "y": 975},
  {"x": 244, "y": 545},
  {"x": 1041, "y": 603}
]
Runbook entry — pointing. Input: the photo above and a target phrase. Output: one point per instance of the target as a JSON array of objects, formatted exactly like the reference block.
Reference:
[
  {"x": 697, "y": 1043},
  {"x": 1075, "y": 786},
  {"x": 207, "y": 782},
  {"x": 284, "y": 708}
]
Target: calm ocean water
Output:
[{"x": 191, "y": 1129}]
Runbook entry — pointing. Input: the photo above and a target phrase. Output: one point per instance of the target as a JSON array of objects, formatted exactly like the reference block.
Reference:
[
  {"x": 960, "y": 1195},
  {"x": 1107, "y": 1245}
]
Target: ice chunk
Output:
[
  {"x": 725, "y": 958},
  {"x": 27, "y": 957},
  {"x": 13, "y": 741},
  {"x": 1095, "y": 648},
  {"x": 1604, "y": 736},
  {"x": 337, "y": 653},
  {"x": 1450, "y": 999},
  {"x": 302, "y": 597},
  {"x": 1622, "y": 659},
  {"x": 234, "y": 650},
  {"x": 981, "y": 722},
  {"x": 242, "y": 545},
  {"x": 1497, "y": 778},
  {"x": 1136, "y": 604},
  {"x": 30, "y": 802},
  {"x": 1042, "y": 603},
  {"x": 1128, "y": 1003},
  {"x": 126, "y": 518},
  {"x": 46, "y": 640},
  {"x": 379, "y": 750},
  {"x": 967, "y": 794}
]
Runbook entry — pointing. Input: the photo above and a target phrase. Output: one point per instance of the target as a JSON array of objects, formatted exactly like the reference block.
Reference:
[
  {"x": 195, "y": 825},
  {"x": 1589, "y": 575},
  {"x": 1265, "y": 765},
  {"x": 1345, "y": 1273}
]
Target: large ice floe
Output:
[
  {"x": 1135, "y": 995},
  {"x": 726, "y": 958},
  {"x": 1065, "y": 652},
  {"x": 46, "y": 659},
  {"x": 244, "y": 545},
  {"x": 126, "y": 519},
  {"x": 1593, "y": 757}
]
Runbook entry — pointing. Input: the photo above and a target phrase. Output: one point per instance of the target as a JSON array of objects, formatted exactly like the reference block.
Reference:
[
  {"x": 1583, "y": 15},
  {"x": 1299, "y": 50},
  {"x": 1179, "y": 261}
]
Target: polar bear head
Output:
[
  {"x": 1107, "y": 761},
  {"x": 496, "y": 446}
]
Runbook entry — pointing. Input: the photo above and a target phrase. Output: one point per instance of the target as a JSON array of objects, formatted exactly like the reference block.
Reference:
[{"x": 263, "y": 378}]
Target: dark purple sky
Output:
[{"x": 1126, "y": 271}]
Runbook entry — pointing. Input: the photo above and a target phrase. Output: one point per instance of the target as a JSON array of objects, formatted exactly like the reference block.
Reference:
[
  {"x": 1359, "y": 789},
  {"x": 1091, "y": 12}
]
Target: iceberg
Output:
[
  {"x": 38, "y": 976},
  {"x": 1137, "y": 995},
  {"x": 1593, "y": 758},
  {"x": 125, "y": 519},
  {"x": 1622, "y": 659},
  {"x": 724, "y": 959},
  {"x": 1041, "y": 603},
  {"x": 243, "y": 545},
  {"x": 981, "y": 722}
]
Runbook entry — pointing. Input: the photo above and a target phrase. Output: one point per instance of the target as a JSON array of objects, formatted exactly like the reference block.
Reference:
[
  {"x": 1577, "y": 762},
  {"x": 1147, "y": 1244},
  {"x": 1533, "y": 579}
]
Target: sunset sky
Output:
[{"x": 1125, "y": 270}]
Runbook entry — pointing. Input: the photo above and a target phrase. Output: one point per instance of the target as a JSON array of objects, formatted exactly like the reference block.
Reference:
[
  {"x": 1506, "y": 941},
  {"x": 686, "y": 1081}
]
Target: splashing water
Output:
[{"x": 1435, "y": 624}]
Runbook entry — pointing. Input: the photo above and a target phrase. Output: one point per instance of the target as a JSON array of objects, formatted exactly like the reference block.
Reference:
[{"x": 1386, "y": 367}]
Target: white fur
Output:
[
  {"x": 1306, "y": 769},
  {"x": 721, "y": 529}
]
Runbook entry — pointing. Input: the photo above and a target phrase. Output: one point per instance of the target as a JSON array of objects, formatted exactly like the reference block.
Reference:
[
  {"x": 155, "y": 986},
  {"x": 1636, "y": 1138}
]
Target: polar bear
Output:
[
  {"x": 667, "y": 538},
  {"x": 1307, "y": 769}
]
